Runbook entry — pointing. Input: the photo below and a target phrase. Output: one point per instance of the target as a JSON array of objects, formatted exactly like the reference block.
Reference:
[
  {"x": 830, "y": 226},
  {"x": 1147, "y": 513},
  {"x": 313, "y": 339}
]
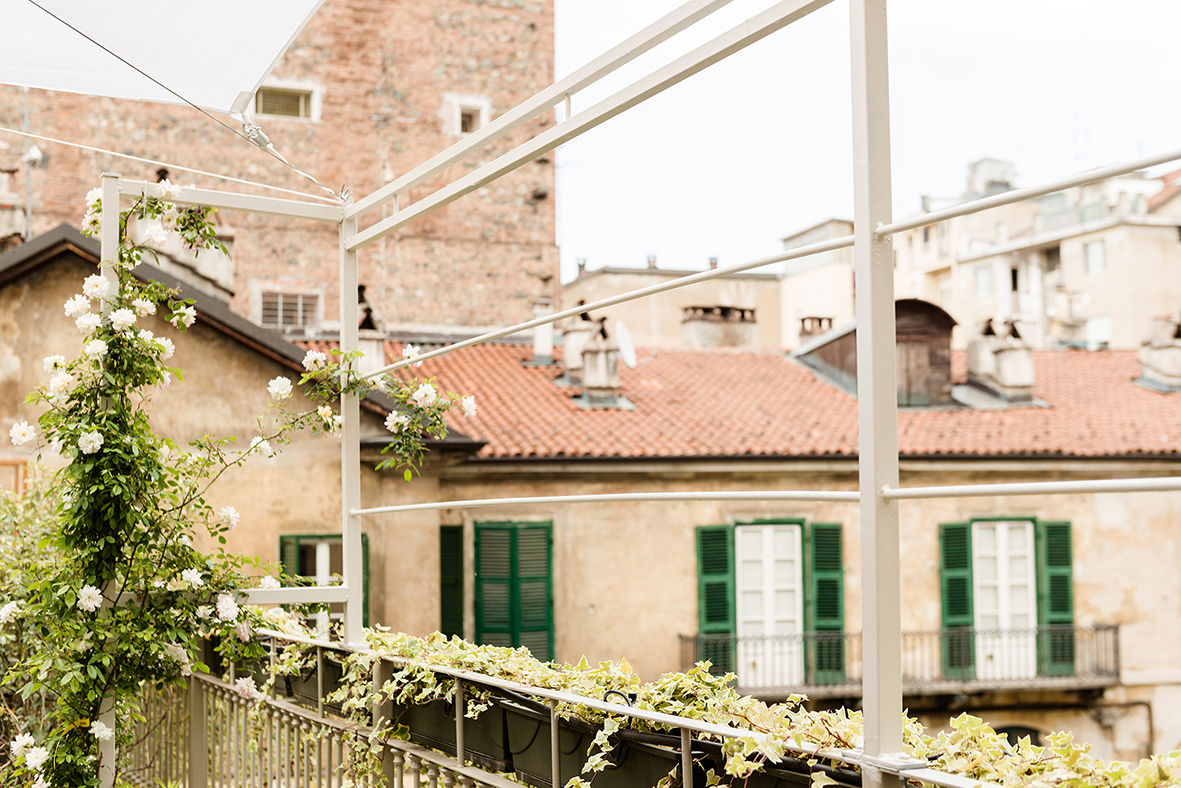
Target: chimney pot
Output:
[
  {"x": 651, "y": 261},
  {"x": 600, "y": 372},
  {"x": 713, "y": 262},
  {"x": 543, "y": 336},
  {"x": 1003, "y": 365},
  {"x": 581, "y": 265},
  {"x": 1160, "y": 356}
]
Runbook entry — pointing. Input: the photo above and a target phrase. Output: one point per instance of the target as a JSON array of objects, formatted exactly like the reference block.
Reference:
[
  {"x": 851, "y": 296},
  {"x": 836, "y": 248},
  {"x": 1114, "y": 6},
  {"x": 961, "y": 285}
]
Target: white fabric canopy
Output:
[{"x": 215, "y": 53}]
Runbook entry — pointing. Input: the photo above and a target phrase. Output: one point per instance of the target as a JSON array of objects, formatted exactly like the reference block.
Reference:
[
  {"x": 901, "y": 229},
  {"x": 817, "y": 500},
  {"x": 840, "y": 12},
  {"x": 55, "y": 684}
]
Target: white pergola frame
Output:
[{"x": 881, "y": 760}]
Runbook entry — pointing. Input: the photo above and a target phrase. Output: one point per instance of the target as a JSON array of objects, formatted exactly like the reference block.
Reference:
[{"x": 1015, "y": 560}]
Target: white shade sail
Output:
[{"x": 215, "y": 53}]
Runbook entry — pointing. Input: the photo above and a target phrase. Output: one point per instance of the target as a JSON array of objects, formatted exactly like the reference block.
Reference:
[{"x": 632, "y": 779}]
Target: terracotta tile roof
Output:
[
  {"x": 1170, "y": 189},
  {"x": 695, "y": 403}
]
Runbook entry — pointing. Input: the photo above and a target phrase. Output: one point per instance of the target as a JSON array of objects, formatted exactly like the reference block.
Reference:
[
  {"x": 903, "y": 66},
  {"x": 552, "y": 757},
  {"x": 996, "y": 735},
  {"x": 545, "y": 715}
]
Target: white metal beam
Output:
[
  {"x": 877, "y": 404},
  {"x": 758, "y": 27},
  {"x": 651, "y": 36},
  {"x": 294, "y": 595},
  {"x": 829, "y": 496},
  {"x": 1018, "y": 195},
  {"x": 276, "y": 206},
  {"x": 682, "y": 281},
  {"x": 1081, "y": 487},
  {"x": 350, "y": 448}
]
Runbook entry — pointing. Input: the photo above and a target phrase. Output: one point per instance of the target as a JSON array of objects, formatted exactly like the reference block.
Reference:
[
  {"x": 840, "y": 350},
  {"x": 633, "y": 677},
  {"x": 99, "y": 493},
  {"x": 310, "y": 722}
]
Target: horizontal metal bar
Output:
[
  {"x": 1017, "y": 195},
  {"x": 943, "y": 779},
  {"x": 651, "y": 36},
  {"x": 631, "y": 295},
  {"x": 732, "y": 495},
  {"x": 1161, "y": 484},
  {"x": 295, "y": 595},
  {"x": 191, "y": 195},
  {"x": 778, "y": 16}
]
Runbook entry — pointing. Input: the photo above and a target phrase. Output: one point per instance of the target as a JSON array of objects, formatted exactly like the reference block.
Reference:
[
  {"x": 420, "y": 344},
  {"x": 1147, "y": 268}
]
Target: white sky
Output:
[{"x": 758, "y": 146}]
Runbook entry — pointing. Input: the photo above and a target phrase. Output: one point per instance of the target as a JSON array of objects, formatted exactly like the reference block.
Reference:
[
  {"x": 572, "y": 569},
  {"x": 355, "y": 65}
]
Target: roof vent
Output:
[
  {"x": 718, "y": 326},
  {"x": 1001, "y": 364},
  {"x": 1160, "y": 356},
  {"x": 543, "y": 335},
  {"x": 601, "y": 388},
  {"x": 574, "y": 339}
]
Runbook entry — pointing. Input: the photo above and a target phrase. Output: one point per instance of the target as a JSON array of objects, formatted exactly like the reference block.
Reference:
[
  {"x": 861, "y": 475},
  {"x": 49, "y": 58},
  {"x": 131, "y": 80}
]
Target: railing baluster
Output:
[{"x": 399, "y": 768}]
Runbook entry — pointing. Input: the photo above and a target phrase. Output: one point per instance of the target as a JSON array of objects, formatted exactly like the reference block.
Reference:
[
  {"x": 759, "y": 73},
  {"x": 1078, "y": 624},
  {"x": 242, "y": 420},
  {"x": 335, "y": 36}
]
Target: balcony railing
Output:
[{"x": 822, "y": 664}]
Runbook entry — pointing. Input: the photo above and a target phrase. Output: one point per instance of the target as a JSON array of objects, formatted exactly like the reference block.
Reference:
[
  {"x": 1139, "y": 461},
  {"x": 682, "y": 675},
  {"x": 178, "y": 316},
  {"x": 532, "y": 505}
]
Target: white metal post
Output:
[
  {"x": 877, "y": 403},
  {"x": 350, "y": 447},
  {"x": 108, "y": 261}
]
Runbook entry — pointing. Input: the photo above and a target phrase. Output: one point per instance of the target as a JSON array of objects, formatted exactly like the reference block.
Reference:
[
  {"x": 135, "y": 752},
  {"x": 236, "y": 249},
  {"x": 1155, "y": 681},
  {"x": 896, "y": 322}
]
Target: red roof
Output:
[
  {"x": 711, "y": 403},
  {"x": 1172, "y": 185}
]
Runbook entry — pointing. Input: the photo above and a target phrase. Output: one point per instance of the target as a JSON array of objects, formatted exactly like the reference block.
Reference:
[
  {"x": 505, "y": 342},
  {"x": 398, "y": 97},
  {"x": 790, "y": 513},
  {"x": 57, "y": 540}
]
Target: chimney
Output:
[
  {"x": 713, "y": 263},
  {"x": 1002, "y": 365},
  {"x": 574, "y": 339},
  {"x": 718, "y": 326},
  {"x": 581, "y": 265},
  {"x": 543, "y": 336},
  {"x": 651, "y": 261},
  {"x": 372, "y": 346},
  {"x": 600, "y": 373},
  {"x": 1160, "y": 356}
]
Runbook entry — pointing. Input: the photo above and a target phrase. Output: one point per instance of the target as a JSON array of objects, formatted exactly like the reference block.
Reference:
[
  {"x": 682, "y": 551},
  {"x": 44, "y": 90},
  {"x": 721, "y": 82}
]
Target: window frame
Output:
[
  {"x": 315, "y": 312},
  {"x": 312, "y": 89},
  {"x": 293, "y": 542}
]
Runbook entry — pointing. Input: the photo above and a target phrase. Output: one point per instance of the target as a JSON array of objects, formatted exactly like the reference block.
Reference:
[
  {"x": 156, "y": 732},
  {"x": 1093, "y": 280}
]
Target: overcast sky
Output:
[{"x": 758, "y": 146}]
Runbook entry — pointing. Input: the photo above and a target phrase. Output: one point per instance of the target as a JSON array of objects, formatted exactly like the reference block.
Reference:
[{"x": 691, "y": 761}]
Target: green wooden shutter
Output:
[
  {"x": 1055, "y": 599},
  {"x": 826, "y": 604},
  {"x": 289, "y": 555},
  {"x": 514, "y": 586},
  {"x": 955, "y": 583},
  {"x": 715, "y": 596},
  {"x": 451, "y": 580}
]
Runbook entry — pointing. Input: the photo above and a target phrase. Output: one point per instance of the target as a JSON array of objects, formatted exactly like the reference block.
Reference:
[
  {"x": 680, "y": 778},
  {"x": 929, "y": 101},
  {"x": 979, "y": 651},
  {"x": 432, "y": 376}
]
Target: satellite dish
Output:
[{"x": 627, "y": 350}]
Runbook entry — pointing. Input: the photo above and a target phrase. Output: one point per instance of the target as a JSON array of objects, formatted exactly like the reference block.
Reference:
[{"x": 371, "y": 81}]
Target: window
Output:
[
  {"x": 1095, "y": 256},
  {"x": 469, "y": 120},
  {"x": 1008, "y": 603},
  {"x": 284, "y": 102},
  {"x": 771, "y": 601},
  {"x": 514, "y": 592},
  {"x": 320, "y": 559},
  {"x": 464, "y": 113},
  {"x": 290, "y": 310},
  {"x": 984, "y": 280}
]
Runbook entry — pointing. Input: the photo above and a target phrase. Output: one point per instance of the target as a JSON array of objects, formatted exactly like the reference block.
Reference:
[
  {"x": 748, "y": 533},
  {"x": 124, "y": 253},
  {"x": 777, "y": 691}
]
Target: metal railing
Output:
[
  {"x": 825, "y": 664},
  {"x": 291, "y": 737}
]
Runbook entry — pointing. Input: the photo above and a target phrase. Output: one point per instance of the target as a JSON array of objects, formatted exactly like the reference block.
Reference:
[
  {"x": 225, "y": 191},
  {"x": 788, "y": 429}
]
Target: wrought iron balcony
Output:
[{"x": 827, "y": 664}]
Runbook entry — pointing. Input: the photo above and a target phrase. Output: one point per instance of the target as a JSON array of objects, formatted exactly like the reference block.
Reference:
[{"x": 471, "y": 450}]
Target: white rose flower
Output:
[
  {"x": 169, "y": 217},
  {"x": 41, "y": 782},
  {"x": 21, "y": 744},
  {"x": 22, "y": 432},
  {"x": 468, "y": 404},
  {"x": 89, "y": 598},
  {"x": 227, "y": 608},
  {"x": 35, "y": 758},
  {"x": 59, "y": 387},
  {"x": 266, "y": 581},
  {"x": 380, "y": 383},
  {"x": 165, "y": 381},
  {"x": 166, "y": 347},
  {"x": 325, "y": 413},
  {"x": 229, "y": 515},
  {"x": 143, "y": 307},
  {"x": 52, "y": 363},
  {"x": 424, "y": 396},
  {"x": 169, "y": 191},
  {"x": 96, "y": 286},
  {"x": 95, "y": 348},
  {"x": 396, "y": 421},
  {"x": 164, "y": 453},
  {"x": 244, "y": 630},
  {"x": 77, "y": 305},
  {"x": 337, "y": 425},
  {"x": 185, "y": 315},
  {"x": 154, "y": 233},
  {"x": 9, "y": 611},
  {"x": 261, "y": 446},
  {"x": 410, "y": 351},
  {"x": 192, "y": 578},
  {"x": 94, "y": 195},
  {"x": 246, "y": 688},
  {"x": 90, "y": 442},
  {"x": 204, "y": 612},
  {"x": 122, "y": 319},
  {"x": 279, "y": 388},
  {"x": 314, "y": 359},
  {"x": 88, "y": 322},
  {"x": 101, "y": 731},
  {"x": 176, "y": 652}
]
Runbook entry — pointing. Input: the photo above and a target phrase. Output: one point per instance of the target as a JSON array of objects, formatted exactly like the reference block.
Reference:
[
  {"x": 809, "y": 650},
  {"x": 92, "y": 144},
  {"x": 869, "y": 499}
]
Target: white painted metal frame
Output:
[{"x": 879, "y": 492}]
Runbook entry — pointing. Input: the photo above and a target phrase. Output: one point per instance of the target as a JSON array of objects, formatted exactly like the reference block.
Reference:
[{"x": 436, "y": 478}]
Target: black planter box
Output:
[
  {"x": 485, "y": 739},
  {"x": 637, "y": 765},
  {"x": 302, "y": 688}
]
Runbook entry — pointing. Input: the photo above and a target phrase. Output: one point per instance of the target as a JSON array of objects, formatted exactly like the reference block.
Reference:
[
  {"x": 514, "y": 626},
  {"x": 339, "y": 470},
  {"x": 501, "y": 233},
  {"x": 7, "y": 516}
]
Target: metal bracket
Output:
[{"x": 893, "y": 762}]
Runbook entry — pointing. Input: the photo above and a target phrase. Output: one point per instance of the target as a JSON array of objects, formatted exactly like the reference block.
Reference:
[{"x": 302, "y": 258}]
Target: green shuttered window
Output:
[
  {"x": 514, "y": 586},
  {"x": 300, "y": 555},
  {"x": 824, "y": 608},
  {"x": 451, "y": 580},
  {"x": 1055, "y": 598}
]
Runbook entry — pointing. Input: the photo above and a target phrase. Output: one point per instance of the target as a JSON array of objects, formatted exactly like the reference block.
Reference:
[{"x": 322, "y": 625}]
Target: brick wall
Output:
[{"x": 382, "y": 68}]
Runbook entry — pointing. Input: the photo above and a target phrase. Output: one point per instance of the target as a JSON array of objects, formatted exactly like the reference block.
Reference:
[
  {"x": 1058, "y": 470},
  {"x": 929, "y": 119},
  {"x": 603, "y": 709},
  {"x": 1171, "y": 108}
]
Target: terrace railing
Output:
[{"x": 827, "y": 664}]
